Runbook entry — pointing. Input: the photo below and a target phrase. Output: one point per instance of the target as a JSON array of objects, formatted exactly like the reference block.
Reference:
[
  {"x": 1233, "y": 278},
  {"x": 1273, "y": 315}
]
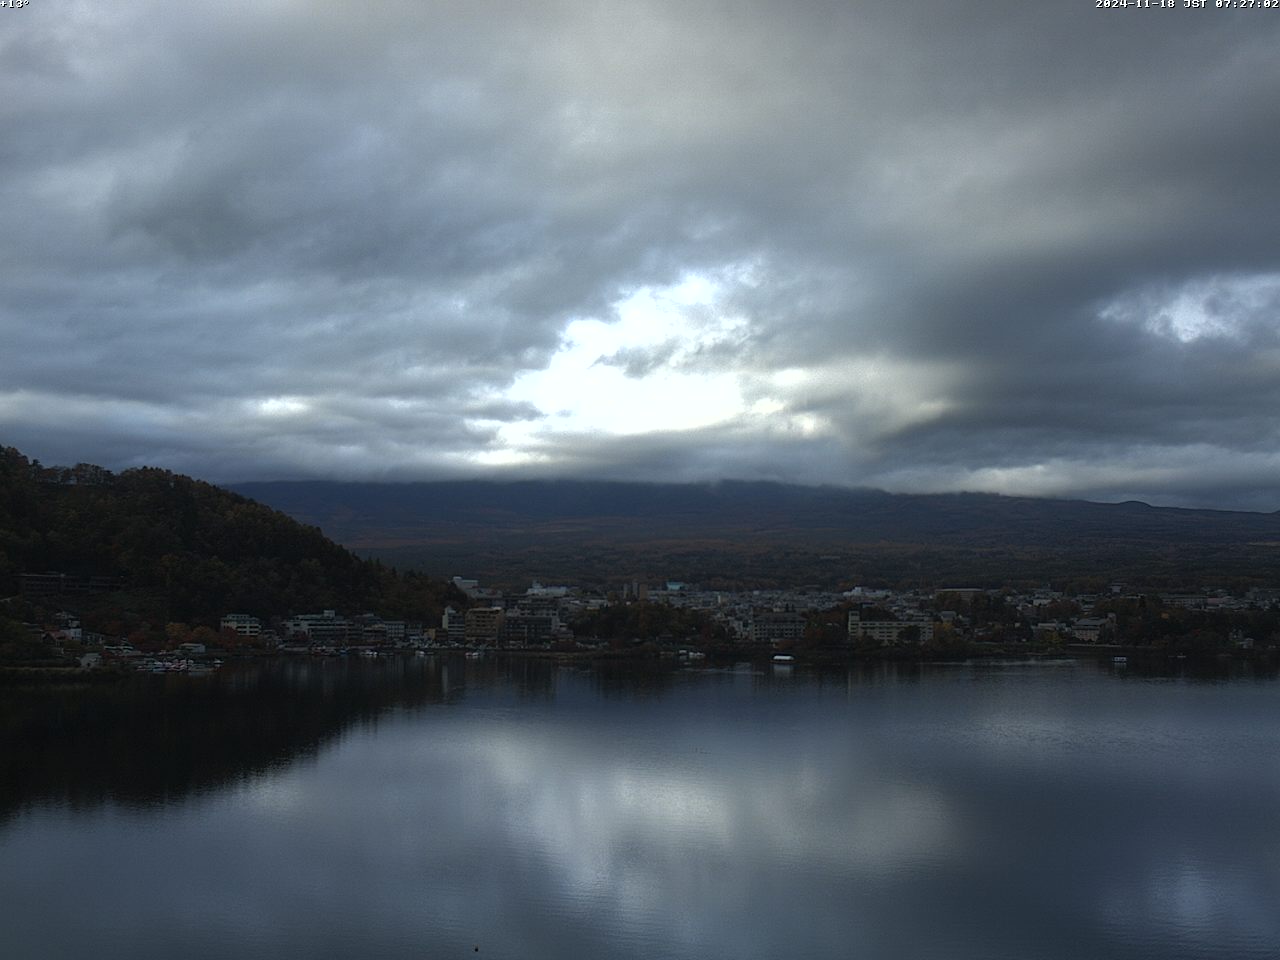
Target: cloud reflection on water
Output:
[{"x": 1057, "y": 815}]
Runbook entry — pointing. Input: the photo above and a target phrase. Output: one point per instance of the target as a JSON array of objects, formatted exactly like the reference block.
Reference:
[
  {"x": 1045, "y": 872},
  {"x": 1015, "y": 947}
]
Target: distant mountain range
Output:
[{"x": 743, "y": 533}]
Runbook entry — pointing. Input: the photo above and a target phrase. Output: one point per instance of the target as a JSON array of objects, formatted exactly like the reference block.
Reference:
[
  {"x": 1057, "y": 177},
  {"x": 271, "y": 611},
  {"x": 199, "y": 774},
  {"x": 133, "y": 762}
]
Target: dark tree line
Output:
[{"x": 646, "y": 621}]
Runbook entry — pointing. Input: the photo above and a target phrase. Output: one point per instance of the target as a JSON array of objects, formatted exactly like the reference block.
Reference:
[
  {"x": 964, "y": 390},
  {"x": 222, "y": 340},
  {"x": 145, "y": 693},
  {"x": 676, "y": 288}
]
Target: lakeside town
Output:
[
  {"x": 156, "y": 571},
  {"x": 676, "y": 619}
]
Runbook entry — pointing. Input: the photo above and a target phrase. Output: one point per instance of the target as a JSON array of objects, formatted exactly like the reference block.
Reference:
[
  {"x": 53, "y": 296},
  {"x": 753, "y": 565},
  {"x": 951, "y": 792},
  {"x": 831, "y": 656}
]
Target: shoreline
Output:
[{"x": 69, "y": 675}]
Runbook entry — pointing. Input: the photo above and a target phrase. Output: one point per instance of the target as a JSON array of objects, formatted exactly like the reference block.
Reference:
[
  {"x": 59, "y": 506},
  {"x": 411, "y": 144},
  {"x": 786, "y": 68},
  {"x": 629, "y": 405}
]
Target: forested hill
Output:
[{"x": 183, "y": 550}]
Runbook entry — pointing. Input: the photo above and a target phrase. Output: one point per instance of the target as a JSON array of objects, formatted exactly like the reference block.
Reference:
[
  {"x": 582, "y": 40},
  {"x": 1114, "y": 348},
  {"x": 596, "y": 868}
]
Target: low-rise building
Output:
[
  {"x": 522, "y": 627},
  {"x": 1092, "y": 629}
]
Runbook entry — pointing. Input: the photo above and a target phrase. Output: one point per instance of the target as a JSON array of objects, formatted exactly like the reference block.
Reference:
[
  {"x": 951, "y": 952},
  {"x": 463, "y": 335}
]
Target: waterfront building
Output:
[
  {"x": 242, "y": 624},
  {"x": 484, "y": 623},
  {"x": 887, "y": 631}
]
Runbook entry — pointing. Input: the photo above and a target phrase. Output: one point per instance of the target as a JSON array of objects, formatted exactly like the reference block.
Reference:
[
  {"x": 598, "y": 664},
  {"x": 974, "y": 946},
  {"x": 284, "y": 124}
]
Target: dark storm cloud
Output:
[{"x": 1031, "y": 248}]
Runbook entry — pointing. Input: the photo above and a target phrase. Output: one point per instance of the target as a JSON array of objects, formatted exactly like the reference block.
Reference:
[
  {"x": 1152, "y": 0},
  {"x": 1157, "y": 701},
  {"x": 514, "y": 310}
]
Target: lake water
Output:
[{"x": 440, "y": 807}]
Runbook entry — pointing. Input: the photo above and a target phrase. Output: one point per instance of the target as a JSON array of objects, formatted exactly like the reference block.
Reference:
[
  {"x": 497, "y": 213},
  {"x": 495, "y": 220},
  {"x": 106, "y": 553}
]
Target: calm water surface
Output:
[{"x": 428, "y": 807}]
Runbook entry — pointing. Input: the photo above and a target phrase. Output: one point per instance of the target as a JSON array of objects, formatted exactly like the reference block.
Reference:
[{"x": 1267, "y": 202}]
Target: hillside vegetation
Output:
[{"x": 176, "y": 549}]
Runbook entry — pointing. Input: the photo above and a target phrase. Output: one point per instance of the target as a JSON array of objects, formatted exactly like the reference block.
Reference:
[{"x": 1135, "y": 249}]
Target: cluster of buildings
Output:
[
  {"x": 538, "y": 616},
  {"x": 544, "y": 615}
]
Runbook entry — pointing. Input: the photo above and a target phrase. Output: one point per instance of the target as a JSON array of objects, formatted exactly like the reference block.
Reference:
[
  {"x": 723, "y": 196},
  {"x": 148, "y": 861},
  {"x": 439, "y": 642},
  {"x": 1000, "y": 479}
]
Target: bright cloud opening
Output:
[
  {"x": 642, "y": 372},
  {"x": 281, "y": 406}
]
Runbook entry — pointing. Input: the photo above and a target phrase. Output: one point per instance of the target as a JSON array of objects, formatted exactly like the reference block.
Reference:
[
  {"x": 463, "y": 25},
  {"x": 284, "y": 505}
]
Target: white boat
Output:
[{"x": 783, "y": 658}]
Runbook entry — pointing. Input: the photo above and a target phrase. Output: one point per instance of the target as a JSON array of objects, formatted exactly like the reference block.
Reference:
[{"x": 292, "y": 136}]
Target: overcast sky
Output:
[{"x": 1020, "y": 247}]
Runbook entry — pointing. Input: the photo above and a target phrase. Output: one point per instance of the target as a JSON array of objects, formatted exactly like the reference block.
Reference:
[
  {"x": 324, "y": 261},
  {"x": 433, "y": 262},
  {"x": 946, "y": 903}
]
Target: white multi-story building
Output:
[
  {"x": 320, "y": 628},
  {"x": 886, "y": 631},
  {"x": 242, "y": 624},
  {"x": 777, "y": 626}
]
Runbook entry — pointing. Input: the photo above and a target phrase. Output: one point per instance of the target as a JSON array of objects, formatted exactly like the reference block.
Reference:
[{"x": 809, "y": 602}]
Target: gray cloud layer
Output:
[{"x": 1028, "y": 248}]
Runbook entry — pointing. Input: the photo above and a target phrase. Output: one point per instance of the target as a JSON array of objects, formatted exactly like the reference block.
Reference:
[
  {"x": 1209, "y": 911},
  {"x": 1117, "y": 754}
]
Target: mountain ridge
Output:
[{"x": 432, "y": 525}]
